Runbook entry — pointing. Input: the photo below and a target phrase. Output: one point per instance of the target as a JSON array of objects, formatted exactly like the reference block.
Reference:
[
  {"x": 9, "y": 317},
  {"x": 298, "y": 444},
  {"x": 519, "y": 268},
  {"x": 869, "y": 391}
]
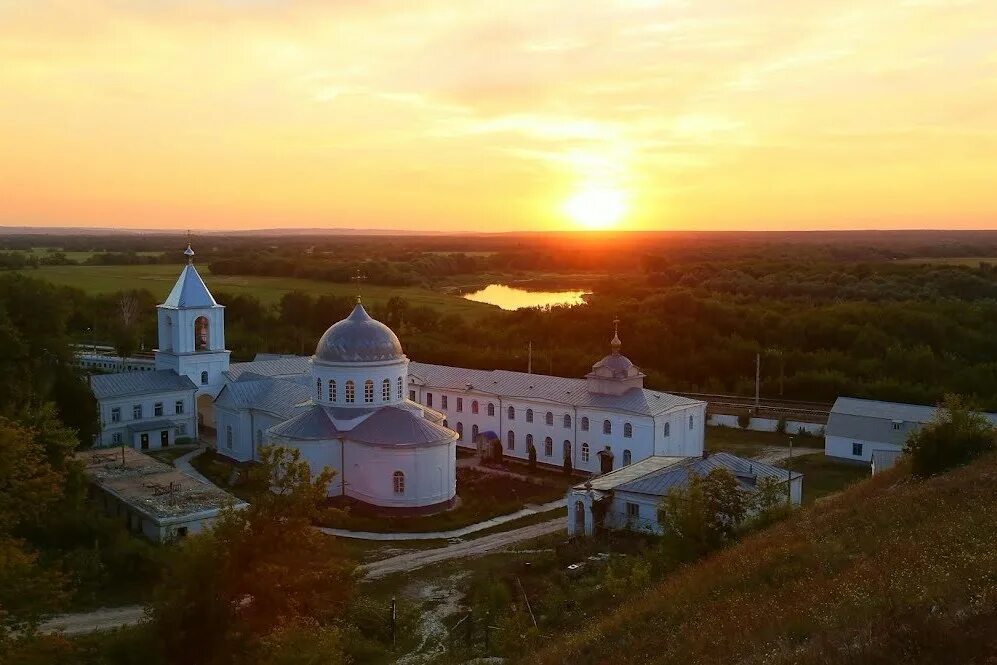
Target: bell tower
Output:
[{"x": 192, "y": 331}]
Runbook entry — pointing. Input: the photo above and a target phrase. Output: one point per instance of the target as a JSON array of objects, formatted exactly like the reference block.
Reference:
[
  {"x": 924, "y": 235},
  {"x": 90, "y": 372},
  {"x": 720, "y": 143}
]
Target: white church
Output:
[{"x": 388, "y": 427}]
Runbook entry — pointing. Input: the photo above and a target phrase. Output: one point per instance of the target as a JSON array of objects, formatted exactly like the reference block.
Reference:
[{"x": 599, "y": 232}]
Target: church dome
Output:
[
  {"x": 616, "y": 364},
  {"x": 358, "y": 338}
]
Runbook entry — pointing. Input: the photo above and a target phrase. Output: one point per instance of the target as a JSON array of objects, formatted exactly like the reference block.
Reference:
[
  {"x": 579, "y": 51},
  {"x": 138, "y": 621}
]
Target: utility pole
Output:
[
  {"x": 394, "y": 615},
  {"x": 789, "y": 485},
  {"x": 758, "y": 378},
  {"x": 529, "y": 362}
]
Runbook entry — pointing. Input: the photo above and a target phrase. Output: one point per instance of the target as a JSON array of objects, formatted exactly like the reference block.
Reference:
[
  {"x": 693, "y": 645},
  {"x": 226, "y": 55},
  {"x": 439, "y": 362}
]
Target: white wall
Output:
[
  {"x": 359, "y": 373},
  {"x": 841, "y": 447},
  {"x": 765, "y": 424},
  {"x": 148, "y": 403},
  {"x": 430, "y": 473}
]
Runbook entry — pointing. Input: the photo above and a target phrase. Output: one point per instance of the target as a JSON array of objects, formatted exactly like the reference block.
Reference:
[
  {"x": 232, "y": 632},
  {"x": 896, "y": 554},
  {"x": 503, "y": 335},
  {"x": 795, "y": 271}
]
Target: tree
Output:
[
  {"x": 567, "y": 465},
  {"x": 531, "y": 451},
  {"x": 956, "y": 436},
  {"x": 260, "y": 576},
  {"x": 702, "y": 516}
]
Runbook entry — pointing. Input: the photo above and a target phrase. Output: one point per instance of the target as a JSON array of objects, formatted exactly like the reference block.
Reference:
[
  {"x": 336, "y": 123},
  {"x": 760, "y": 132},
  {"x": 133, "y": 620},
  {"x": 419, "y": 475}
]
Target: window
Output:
[
  {"x": 567, "y": 449},
  {"x": 228, "y": 437},
  {"x": 692, "y": 422},
  {"x": 628, "y": 431},
  {"x": 549, "y": 418},
  {"x": 529, "y": 441},
  {"x": 567, "y": 421},
  {"x": 136, "y": 411},
  {"x": 897, "y": 424},
  {"x": 443, "y": 401},
  {"x": 491, "y": 409},
  {"x": 116, "y": 438},
  {"x": 668, "y": 429},
  {"x": 627, "y": 457},
  {"x": 201, "y": 334},
  {"x": 429, "y": 400},
  {"x": 474, "y": 406},
  {"x": 585, "y": 424},
  {"x": 385, "y": 390},
  {"x": 633, "y": 510},
  {"x": 607, "y": 427},
  {"x": 332, "y": 391},
  {"x": 401, "y": 388},
  {"x": 351, "y": 393},
  {"x": 398, "y": 481},
  {"x": 512, "y": 413},
  {"x": 549, "y": 447},
  {"x": 585, "y": 452},
  {"x": 116, "y": 414},
  {"x": 182, "y": 429},
  {"x": 368, "y": 392},
  {"x": 157, "y": 409},
  {"x": 204, "y": 378},
  {"x": 510, "y": 440},
  {"x": 474, "y": 432},
  {"x": 181, "y": 532},
  {"x": 411, "y": 395},
  {"x": 460, "y": 431},
  {"x": 460, "y": 404},
  {"x": 857, "y": 449},
  {"x": 529, "y": 415}
]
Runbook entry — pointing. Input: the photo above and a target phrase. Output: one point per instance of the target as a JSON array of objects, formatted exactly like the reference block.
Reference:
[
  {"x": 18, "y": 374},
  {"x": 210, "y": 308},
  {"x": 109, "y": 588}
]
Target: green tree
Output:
[
  {"x": 258, "y": 577},
  {"x": 956, "y": 436},
  {"x": 531, "y": 452},
  {"x": 702, "y": 516}
]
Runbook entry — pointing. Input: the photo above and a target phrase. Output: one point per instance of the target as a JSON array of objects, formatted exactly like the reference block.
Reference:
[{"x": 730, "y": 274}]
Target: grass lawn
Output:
[
  {"x": 159, "y": 279},
  {"x": 746, "y": 442},
  {"x": 822, "y": 476}
]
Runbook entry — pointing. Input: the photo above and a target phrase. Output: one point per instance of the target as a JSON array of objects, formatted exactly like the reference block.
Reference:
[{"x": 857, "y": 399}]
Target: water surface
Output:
[{"x": 510, "y": 297}]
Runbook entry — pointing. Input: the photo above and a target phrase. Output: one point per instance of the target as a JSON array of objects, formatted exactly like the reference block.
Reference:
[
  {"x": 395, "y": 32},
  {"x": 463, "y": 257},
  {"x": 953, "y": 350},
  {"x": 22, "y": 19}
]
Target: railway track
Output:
[{"x": 784, "y": 407}]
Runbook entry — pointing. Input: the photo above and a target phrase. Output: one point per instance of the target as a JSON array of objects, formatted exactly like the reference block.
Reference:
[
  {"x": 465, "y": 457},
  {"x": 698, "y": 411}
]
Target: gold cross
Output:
[{"x": 358, "y": 277}]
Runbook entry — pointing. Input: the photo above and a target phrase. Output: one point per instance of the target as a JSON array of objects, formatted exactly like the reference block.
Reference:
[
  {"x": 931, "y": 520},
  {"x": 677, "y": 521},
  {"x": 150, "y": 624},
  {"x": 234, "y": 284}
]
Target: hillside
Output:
[{"x": 890, "y": 571}]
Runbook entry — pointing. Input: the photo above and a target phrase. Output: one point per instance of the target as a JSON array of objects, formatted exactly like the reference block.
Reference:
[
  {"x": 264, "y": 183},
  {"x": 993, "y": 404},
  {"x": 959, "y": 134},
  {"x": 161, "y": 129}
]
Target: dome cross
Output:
[{"x": 358, "y": 277}]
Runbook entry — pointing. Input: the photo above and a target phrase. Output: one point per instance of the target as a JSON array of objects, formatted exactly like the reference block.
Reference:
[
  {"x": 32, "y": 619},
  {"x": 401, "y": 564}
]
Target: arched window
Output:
[
  {"x": 429, "y": 400},
  {"x": 474, "y": 432},
  {"x": 668, "y": 429},
  {"x": 460, "y": 431},
  {"x": 549, "y": 418},
  {"x": 692, "y": 422},
  {"x": 398, "y": 481},
  {"x": 385, "y": 390},
  {"x": 204, "y": 378},
  {"x": 567, "y": 449},
  {"x": 607, "y": 427},
  {"x": 510, "y": 440},
  {"x": 627, "y": 457},
  {"x": 585, "y": 452},
  {"x": 318, "y": 388},
  {"x": 567, "y": 420},
  {"x": 401, "y": 388},
  {"x": 628, "y": 431},
  {"x": 529, "y": 441},
  {"x": 201, "y": 333},
  {"x": 228, "y": 437},
  {"x": 491, "y": 409},
  {"x": 332, "y": 391},
  {"x": 351, "y": 392},
  {"x": 474, "y": 406},
  {"x": 585, "y": 423},
  {"x": 529, "y": 415},
  {"x": 549, "y": 447},
  {"x": 512, "y": 413},
  {"x": 368, "y": 391}
]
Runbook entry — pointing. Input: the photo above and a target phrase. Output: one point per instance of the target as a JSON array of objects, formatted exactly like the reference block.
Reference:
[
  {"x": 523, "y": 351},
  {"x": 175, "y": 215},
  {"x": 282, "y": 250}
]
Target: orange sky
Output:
[{"x": 491, "y": 116}]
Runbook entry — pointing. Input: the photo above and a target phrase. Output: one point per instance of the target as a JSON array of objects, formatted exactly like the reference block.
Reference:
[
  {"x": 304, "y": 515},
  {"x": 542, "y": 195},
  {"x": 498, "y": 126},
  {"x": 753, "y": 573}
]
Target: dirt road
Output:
[
  {"x": 89, "y": 622},
  {"x": 478, "y": 546}
]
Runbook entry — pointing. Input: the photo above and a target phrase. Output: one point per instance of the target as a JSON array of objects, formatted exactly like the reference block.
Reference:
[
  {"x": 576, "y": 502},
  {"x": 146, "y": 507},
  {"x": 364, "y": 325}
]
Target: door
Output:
[
  {"x": 164, "y": 438},
  {"x": 605, "y": 462},
  {"x": 145, "y": 441}
]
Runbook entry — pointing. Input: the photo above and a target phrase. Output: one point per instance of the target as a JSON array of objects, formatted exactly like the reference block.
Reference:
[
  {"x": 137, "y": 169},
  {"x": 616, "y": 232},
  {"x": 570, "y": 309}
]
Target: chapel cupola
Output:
[{"x": 614, "y": 374}]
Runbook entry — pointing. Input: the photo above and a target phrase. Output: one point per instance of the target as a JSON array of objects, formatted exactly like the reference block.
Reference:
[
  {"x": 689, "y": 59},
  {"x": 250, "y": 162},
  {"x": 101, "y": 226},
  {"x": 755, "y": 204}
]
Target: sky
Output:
[{"x": 472, "y": 115}]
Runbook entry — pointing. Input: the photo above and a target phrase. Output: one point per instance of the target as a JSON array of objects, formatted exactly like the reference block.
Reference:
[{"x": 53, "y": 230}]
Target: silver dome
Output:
[
  {"x": 358, "y": 338},
  {"x": 618, "y": 365}
]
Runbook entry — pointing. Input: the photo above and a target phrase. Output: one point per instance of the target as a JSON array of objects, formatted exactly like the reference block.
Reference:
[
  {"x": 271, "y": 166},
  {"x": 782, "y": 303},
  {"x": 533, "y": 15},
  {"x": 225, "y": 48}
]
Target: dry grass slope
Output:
[{"x": 890, "y": 571}]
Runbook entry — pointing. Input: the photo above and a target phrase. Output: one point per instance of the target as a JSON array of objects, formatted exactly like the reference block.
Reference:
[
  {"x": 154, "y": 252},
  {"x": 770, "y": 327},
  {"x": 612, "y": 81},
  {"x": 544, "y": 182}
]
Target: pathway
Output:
[
  {"x": 183, "y": 464},
  {"x": 776, "y": 454},
  {"x": 88, "y": 622},
  {"x": 478, "y": 546},
  {"x": 446, "y": 535}
]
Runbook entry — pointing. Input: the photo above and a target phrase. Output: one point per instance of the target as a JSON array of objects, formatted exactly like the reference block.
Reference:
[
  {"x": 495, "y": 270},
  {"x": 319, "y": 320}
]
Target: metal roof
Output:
[
  {"x": 359, "y": 338},
  {"x": 556, "y": 389},
  {"x": 659, "y": 478},
  {"x": 189, "y": 291},
  {"x": 278, "y": 396},
  {"x": 278, "y": 367},
  {"x": 391, "y": 425},
  {"x": 124, "y": 384},
  {"x": 313, "y": 424},
  {"x": 872, "y": 420}
]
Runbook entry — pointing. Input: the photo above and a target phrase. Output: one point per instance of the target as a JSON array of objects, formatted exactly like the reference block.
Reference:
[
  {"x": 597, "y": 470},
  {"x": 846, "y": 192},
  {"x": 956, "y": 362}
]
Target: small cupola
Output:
[{"x": 614, "y": 374}]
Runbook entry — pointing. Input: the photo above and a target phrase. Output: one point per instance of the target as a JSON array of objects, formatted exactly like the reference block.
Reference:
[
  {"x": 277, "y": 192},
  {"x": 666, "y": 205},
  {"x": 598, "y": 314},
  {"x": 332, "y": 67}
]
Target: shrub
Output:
[
  {"x": 567, "y": 466},
  {"x": 496, "y": 450},
  {"x": 780, "y": 425},
  {"x": 532, "y": 452},
  {"x": 744, "y": 420},
  {"x": 701, "y": 517},
  {"x": 956, "y": 436}
]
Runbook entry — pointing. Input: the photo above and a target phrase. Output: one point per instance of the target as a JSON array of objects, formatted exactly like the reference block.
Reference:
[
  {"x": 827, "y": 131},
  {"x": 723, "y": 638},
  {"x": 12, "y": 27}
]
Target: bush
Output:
[
  {"x": 744, "y": 420},
  {"x": 532, "y": 452},
  {"x": 567, "y": 466},
  {"x": 495, "y": 448},
  {"x": 701, "y": 517},
  {"x": 958, "y": 435},
  {"x": 780, "y": 425}
]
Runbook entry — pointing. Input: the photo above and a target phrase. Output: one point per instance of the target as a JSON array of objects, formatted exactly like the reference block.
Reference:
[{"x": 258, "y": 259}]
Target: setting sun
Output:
[{"x": 596, "y": 208}]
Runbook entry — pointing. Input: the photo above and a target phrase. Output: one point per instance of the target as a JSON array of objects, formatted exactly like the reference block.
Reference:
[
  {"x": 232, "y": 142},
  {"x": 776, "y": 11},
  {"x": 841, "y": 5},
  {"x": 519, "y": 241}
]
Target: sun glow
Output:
[{"x": 596, "y": 208}]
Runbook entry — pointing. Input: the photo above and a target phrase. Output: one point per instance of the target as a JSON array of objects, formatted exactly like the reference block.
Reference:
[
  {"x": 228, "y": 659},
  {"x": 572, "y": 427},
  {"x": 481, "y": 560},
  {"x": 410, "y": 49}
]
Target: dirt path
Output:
[
  {"x": 89, "y": 622},
  {"x": 478, "y": 546},
  {"x": 776, "y": 454}
]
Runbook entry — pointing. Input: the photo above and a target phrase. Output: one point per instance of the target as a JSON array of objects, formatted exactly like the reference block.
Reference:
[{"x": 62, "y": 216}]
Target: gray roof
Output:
[
  {"x": 189, "y": 291},
  {"x": 358, "y": 338},
  {"x": 124, "y": 384},
  {"x": 280, "y": 397},
  {"x": 149, "y": 426},
  {"x": 872, "y": 420},
  {"x": 672, "y": 473},
  {"x": 386, "y": 425},
  {"x": 313, "y": 424},
  {"x": 557, "y": 389},
  {"x": 279, "y": 367}
]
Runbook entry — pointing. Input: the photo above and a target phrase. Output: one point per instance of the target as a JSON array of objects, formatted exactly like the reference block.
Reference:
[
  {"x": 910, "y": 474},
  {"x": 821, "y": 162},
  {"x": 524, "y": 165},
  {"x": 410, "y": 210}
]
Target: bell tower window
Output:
[{"x": 201, "y": 334}]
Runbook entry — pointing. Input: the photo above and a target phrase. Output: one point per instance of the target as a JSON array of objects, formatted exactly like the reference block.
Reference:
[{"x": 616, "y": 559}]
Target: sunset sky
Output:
[{"x": 493, "y": 116}]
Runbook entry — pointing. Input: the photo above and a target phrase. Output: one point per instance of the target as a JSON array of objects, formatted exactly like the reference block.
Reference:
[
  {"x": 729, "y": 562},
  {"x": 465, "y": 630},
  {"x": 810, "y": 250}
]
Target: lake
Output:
[{"x": 509, "y": 297}]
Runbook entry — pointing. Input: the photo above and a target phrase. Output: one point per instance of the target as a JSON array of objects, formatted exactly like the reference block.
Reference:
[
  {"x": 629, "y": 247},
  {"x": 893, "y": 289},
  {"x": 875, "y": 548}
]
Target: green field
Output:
[
  {"x": 71, "y": 255},
  {"x": 159, "y": 279},
  {"x": 971, "y": 261}
]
